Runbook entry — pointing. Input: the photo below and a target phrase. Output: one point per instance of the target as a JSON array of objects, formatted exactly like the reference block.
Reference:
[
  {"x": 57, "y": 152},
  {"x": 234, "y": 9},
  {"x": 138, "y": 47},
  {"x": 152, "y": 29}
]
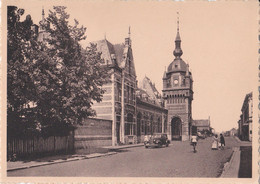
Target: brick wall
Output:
[{"x": 93, "y": 134}]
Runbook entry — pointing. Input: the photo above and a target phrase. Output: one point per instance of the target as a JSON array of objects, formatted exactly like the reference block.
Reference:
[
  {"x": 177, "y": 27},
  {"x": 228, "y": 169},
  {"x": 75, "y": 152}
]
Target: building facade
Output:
[
  {"x": 245, "y": 122},
  {"x": 119, "y": 101},
  {"x": 178, "y": 95},
  {"x": 151, "y": 114},
  {"x": 134, "y": 111}
]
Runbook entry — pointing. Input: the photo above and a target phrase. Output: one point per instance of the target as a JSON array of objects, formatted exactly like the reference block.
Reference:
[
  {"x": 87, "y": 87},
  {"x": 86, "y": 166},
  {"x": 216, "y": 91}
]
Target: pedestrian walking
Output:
[
  {"x": 222, "y": 141},
  {"x": 194, "y": 140},
  {"x": 215, "y": 143}
]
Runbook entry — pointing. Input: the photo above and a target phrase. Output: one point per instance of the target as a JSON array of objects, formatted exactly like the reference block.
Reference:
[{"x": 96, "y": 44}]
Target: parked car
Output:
[
  {"x": 157, "y": 140},
  {"x": 201, "y": 136}
]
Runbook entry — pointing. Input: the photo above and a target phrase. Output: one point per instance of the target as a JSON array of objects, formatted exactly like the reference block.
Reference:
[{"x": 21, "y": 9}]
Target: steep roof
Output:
[
  {"x": 115, "y": 54},
  {"x": 107, "y": 49},
  {"x": 119, "y": 52},
  {"x": 246, "y": 100},
  {"x": 151, "y": 90}
]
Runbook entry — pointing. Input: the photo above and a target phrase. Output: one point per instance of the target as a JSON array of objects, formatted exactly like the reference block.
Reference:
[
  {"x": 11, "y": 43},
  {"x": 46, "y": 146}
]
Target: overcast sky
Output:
[{"x": 219, "y": 41}]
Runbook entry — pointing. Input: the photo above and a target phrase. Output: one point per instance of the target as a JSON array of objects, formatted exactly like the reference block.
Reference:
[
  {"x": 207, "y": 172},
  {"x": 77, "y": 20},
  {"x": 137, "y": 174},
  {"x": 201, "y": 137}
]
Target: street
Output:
[{"x": 177, "y": 160}]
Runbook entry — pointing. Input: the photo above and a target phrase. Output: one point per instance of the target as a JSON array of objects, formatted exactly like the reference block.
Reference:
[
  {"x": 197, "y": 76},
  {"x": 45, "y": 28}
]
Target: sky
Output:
[{"x": 219, "y": 41}]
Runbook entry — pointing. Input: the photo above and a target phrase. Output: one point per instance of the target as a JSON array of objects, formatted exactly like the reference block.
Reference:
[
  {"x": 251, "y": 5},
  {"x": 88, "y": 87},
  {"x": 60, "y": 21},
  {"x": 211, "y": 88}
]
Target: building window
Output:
[
  {"x": 142, "y": 126},
  {"x": 118, "y": 92},
  {"x": 165, "y": 125},
  {"x": 127, "y": 94},
  {"x": 129, "y": 127},
  {"x": 159, "y": 126}
]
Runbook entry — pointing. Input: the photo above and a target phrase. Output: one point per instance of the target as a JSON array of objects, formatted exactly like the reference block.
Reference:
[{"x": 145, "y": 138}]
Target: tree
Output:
[
  {"x": 57, "y": 74},
  {"x": 20, "y": 84},
  {"x": 68, "y": 77}
]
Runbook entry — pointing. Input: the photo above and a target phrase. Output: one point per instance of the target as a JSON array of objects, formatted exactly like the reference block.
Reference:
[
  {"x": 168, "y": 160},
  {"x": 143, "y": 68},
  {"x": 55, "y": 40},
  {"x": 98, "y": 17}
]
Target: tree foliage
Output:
[
  {"x": 64, "y": 78},
  {"x": 20, "y": 84}
]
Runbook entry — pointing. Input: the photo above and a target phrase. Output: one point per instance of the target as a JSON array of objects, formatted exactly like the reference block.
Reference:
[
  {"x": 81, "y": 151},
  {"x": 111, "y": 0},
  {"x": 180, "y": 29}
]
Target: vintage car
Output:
[
  {"x": 201, "y": 136},
  {"x": 156, "y": 140}
]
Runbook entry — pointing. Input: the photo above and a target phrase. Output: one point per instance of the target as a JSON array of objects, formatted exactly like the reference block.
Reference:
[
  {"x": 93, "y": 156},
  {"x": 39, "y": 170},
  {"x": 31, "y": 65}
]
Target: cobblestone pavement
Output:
[{"x": 177, "y": 160}]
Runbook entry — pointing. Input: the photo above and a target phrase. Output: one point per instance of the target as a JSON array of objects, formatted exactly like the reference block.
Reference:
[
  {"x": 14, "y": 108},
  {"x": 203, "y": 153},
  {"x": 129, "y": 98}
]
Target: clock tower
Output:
[{"x": 178, "y": 95}]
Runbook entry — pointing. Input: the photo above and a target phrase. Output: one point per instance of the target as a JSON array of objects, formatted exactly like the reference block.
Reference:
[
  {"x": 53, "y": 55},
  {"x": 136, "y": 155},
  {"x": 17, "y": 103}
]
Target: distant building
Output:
[
  {"x": 233, "y": 132},
  {"x": 202, "y": 124},
  {"x": 245, "y": 122}
]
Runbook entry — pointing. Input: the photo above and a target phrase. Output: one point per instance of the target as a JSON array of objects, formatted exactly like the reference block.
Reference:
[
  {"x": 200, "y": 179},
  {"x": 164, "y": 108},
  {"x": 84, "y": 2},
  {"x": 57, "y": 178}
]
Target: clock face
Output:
[{"x": 175, "y": 81}]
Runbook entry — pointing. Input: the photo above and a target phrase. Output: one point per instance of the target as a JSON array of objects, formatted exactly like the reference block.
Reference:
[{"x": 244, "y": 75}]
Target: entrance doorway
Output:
[{"x": 176, "y": 128}]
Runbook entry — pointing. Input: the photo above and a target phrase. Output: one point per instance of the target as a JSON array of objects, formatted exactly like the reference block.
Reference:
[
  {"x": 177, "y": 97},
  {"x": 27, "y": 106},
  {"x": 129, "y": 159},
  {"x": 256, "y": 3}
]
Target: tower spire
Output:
[
  {"x": 43, "y": 13},
  {"x": 178, "y": 52}
]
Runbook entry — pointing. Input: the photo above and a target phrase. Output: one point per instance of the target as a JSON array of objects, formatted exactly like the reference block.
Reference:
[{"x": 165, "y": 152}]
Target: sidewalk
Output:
[
  {"x": 12, "y": 166},
  {"x": 231, "y": 168}
]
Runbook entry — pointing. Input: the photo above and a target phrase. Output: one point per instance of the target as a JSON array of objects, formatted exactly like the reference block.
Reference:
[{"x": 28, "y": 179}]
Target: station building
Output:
[{"x": 134, "y": 111}]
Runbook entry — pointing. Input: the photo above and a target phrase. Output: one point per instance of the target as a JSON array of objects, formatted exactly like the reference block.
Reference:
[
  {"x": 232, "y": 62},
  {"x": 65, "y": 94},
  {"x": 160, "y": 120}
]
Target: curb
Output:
[
  {"x": 231, "y": 168},
  {"x": 123, "y": 147},
  {"x": 237, "y": 139},
  {"x": 80, "y": 157}
]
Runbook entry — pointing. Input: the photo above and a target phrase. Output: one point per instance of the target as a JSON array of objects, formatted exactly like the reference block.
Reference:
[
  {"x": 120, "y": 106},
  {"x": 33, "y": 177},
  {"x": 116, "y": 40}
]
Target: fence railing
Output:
[{"x": 40, "y": 145}]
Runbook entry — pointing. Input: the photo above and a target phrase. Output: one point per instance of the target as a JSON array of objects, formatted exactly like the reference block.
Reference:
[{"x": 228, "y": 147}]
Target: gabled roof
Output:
[
  {"x": 107, "y": 49},
  {"x": 115, "y": 54},
  {"x": 201, "y": 122}
]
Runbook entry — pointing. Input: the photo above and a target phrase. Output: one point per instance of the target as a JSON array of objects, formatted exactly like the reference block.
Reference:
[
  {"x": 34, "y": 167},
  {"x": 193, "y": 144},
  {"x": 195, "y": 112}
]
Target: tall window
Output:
[
  {"x": 129, "y": 127},
  {"x": 118, "y": 92},
  {"x": 159, "y": 126},
  {"x": 142, "y": 126},
  {"x": 165, "y": 125}
]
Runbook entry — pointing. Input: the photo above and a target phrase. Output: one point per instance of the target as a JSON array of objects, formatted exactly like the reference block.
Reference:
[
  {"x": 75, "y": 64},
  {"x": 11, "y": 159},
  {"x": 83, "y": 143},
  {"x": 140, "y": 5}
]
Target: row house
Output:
[{"x": 245, "y": 122}]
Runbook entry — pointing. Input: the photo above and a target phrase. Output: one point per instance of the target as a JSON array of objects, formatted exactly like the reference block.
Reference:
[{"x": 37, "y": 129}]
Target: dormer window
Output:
[{"x": 176, "y": 66}]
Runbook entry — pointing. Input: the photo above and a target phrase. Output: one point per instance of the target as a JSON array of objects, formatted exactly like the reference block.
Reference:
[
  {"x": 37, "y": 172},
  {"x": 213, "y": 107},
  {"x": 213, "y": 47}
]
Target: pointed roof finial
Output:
[
  {"x": 177, "y": 52},
  {"x": 129, "y": 31},
  {"x": 178, "y": 21}
]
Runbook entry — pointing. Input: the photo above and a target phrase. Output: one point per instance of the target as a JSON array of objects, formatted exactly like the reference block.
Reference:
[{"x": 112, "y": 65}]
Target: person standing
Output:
[
  {"x": 194, "y": 140},
  {"x": 215, "y": 142},
  {"x": 222, "y": 141}
]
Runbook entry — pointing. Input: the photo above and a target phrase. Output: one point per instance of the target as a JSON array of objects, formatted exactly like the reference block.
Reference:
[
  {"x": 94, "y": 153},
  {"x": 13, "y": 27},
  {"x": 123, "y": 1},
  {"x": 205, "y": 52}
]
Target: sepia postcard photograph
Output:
[{"x": 129, "y": 91}]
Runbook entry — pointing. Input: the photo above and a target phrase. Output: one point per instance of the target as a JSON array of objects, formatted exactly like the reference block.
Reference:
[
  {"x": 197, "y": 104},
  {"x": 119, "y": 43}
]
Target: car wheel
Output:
[
  {"x": 146, "y": 146},
  {"x": 167, "y": 145}
]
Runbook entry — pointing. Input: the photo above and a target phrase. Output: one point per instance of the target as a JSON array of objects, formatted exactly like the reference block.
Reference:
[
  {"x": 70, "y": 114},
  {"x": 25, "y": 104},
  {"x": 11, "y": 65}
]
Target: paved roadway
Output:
[{"x": 177, "y": 160}]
